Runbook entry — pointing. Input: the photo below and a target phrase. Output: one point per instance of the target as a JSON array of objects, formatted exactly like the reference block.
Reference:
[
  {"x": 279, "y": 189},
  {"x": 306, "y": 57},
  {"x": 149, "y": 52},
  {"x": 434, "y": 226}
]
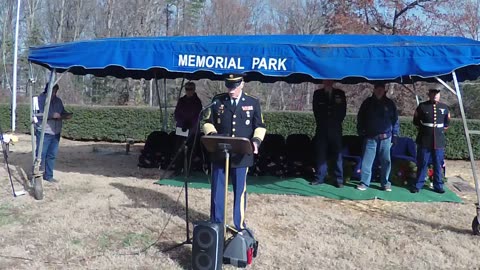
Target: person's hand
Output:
[
  {"x": 255, "y": 147},
  {"x": 56, "y": 116}
]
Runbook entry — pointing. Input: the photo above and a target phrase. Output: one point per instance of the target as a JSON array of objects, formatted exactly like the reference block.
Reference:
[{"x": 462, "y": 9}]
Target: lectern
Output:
[
  {"x": 227, "y": 146},
  {"x": 209, "y": 237}
]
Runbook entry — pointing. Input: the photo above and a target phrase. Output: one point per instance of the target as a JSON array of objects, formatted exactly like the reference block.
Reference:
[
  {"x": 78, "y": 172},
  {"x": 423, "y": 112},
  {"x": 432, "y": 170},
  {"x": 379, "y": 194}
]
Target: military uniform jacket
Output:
[
  {"x": 329, "y": 110},
  {"x": 432, "y": 119},
  {"x": 244, "y": 120}
]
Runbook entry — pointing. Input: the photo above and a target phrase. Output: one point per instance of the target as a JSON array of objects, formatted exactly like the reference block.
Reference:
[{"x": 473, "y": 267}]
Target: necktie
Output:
[{"x": 234, "y": 104}]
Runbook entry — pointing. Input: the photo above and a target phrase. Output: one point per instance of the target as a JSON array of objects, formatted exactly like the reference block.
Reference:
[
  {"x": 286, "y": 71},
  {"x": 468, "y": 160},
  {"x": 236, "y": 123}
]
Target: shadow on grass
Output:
[
  {"x": 181, "y": 254},
  {"x": 101, "y": 159},
  {"x": 147, "y": 198},
  {"x": 408, "y": 219}
]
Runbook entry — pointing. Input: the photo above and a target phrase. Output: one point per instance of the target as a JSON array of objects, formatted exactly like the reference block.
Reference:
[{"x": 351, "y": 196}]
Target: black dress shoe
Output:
[
  {"x": 339, "y": 185},
  {"x": 316, "y": 183},
  {"x": 441, "y": 191},
  {"x": 414, "y": 190}
]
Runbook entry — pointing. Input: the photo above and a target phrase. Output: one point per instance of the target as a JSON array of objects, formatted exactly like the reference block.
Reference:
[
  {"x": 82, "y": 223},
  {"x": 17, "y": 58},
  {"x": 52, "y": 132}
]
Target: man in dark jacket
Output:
[
  {"x": 186, "y": 116},
  {"x": 329, "y": 108},
  {"x": 377, "y": 123},
  {"x": 431, "y": 118}
]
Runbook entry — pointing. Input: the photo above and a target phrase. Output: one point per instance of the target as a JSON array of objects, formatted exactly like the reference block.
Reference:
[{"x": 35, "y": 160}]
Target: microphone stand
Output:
[
  {"x": 5, "y": 149},
  {"x": 186, "y": 168},
  {"x": 184, "y": 147}
]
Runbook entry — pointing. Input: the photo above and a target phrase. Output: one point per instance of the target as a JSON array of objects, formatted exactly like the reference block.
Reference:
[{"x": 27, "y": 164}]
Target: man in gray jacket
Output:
[{"x": 51, "y": 141}]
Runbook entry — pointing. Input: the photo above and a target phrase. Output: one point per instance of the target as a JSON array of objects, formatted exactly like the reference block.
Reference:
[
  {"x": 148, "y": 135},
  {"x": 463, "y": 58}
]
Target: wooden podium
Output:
[{"x": 227, "y": 146}]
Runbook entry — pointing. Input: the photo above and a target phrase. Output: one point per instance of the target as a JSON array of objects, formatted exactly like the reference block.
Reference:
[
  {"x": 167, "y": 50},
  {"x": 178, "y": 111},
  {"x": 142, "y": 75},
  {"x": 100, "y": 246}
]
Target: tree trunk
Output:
[
  {"x": 7, "y": 29},
  {"x": 61, "y": 19}
]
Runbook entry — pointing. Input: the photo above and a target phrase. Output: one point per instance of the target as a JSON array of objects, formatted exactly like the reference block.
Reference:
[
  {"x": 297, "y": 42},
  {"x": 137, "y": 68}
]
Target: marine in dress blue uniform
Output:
[
  {"x": 329, "y": 108},
  {"x": 234, "y": 114},
  {"x": 432, "y": 119}
]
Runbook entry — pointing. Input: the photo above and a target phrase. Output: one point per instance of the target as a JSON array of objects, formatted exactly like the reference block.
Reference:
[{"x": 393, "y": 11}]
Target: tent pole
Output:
[
  {"x": 181, "y": 88},
  {"x": 158, "y": 97},
  {"x": 467, "y": 134},
  {"x": 45, "y": 117},
  {"x": 416, "y": 93},
  {"x": 165, "y": 116},
  {"x": 57, "y": 79},
  {"x": 447, "y": 86},
  {"x": 37, "y": 175},
  {"x": 31, "y": 81},
  {"x": 412, "y": 91},
  {"x": 150, "y": 97}
]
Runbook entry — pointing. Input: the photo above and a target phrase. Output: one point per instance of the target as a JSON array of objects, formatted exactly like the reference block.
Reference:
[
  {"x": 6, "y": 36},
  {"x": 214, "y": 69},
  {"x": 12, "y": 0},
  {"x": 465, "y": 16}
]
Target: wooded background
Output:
[{"x": 54, "y": 21}]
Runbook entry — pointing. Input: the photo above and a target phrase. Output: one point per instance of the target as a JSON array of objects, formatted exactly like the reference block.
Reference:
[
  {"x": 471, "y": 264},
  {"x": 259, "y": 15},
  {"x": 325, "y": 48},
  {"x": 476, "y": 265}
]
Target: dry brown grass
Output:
[{"x": 105, "y": 212}]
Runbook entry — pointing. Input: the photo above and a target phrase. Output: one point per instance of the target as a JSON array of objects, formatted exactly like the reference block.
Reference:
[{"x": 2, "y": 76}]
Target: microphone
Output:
[{"x": 215, "y": 101}]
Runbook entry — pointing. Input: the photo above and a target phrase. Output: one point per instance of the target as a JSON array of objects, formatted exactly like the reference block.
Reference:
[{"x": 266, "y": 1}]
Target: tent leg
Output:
[
  {"x": 158, "y": 97},
  {"x": 467, "y": 134},
  {"x": 416, "y": 94},
  {"x": 447, "y": 86},
  {"x": 165, "y": 116},
  {"x": 37, "y": 174},
  {"x": 181, "y": 88},
  {"x": 414, "y": 91},
  {"x": 31, "y": 80}
]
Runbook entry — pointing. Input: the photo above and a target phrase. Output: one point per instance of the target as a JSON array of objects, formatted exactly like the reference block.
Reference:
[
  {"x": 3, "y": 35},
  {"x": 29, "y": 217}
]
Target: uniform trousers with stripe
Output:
[
  {"x": 424, "y": 155},
  {"x": 238, "y": 177}
]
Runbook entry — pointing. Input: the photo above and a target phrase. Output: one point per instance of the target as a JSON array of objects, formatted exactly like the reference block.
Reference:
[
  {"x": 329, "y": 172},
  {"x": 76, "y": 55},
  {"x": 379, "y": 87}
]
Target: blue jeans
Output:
[
  {"x": 49, "y": 153},
  {"x": 372, "y": 148}
]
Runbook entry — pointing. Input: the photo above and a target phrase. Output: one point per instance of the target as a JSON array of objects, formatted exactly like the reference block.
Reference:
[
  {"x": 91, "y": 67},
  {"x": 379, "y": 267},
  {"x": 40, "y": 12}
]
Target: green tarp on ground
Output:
[{"x": 300, "y": 186}]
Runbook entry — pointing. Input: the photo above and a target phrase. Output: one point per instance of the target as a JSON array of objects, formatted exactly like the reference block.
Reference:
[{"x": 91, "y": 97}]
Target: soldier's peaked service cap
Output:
[{"x": 233, "y": 80}]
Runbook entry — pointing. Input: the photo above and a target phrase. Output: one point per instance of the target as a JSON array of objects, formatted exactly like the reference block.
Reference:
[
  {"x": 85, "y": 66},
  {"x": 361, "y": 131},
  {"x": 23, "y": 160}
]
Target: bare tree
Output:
[
  {"x": 217, "y": 18},
  {"x": 397, "y": 16},
  {"x": 302, "y": 17},
  {"x": 460, "y": 18},
  {"x": 6, "y": 18}
]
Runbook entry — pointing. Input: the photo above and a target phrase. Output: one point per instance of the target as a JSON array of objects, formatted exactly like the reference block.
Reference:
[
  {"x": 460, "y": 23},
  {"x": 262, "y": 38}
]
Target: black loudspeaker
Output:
[{"x": 207, "y": 247}]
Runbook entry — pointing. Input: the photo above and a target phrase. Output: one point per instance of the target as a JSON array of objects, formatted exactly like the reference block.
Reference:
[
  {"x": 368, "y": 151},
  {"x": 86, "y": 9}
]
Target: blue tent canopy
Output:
[
  {"x": 291, "y": 58},
  {"x": 268, "y": 58}
]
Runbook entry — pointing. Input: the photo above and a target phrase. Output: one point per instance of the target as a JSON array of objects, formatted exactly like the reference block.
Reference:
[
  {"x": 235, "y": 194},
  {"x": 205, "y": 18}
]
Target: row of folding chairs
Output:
[
  {"x": 161, "y": 149},
  {"x": 278, "y": 156}
]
